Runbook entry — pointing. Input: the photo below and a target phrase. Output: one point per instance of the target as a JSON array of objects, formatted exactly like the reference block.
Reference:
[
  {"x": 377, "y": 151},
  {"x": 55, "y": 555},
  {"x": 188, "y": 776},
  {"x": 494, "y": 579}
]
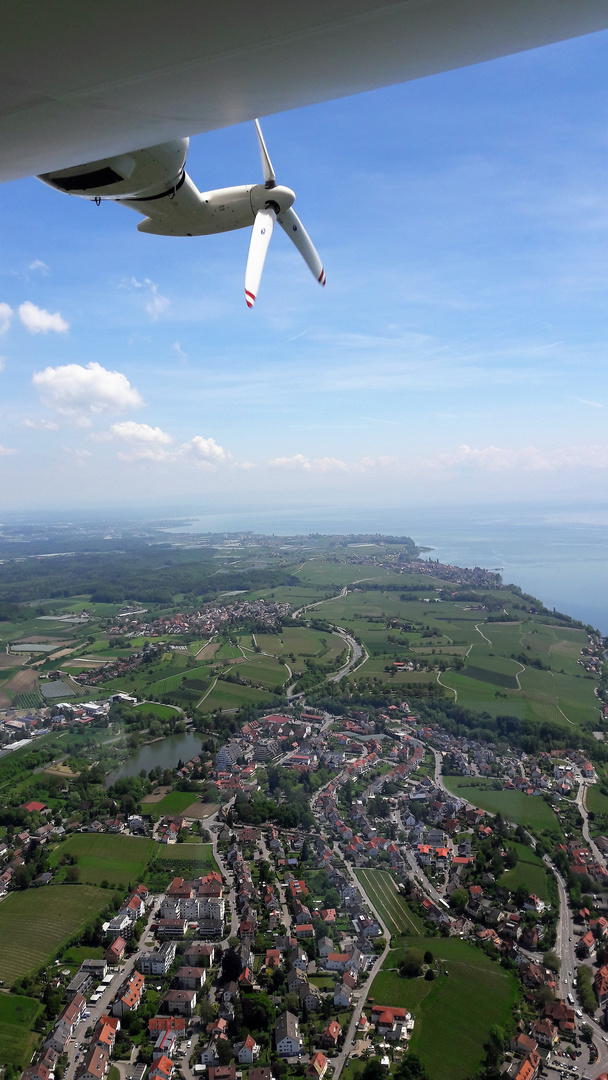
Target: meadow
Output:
[
  {"x": 175, "y": 802},
  {"x": 17, "y": 1040},
  {"x": 119, "y": 860},
  {"x": 201, "y": 855},
  {"x": 36, "y": 922},
  {"x": 531, "y": 811},
  {"x": 455, "y": 1012},
  {"x": 530, "y": 872}
]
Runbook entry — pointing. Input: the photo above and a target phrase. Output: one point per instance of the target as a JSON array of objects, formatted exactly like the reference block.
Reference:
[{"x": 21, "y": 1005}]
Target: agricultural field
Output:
[
  {"x": 36, "y": 922},
  {"x": 231, "y": 696},
  {"x": 463, "y": 1005},
  {"x": 388, "y": 902},
  {"x": 17, "y": 1040},
  {"x": 528, "y": 810},
  {"x": 117, "y": 859}
]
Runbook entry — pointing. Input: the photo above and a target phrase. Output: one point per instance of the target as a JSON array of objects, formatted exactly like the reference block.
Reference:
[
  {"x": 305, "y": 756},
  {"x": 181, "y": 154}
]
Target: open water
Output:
[{"x": 558, "y": 555}]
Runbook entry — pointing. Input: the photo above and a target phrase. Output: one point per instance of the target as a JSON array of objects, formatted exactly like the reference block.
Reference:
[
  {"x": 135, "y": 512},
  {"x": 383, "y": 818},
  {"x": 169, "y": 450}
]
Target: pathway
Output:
[{"x": 445, "y": 685}]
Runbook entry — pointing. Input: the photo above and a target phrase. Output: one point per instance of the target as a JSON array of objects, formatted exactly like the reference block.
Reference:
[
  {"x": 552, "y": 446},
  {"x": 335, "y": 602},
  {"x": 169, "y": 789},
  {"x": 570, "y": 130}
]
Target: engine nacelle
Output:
[{"x": 141, "y": 174}]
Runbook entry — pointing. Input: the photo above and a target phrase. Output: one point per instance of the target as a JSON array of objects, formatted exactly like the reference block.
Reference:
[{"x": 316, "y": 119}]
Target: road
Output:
[
  {"x": 581, "y": 802},
  {"x": 357, "y": 651},
  {"x": 102, "y": 1006},
  {"x": 565, "y": 948},
  {"x": 351, "y": 1034}
]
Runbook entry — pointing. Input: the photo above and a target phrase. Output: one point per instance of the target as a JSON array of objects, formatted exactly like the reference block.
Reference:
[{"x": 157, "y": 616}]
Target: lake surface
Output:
[
  {"x": 559, "y": 555},
  {"x": 166, "y": 753}
]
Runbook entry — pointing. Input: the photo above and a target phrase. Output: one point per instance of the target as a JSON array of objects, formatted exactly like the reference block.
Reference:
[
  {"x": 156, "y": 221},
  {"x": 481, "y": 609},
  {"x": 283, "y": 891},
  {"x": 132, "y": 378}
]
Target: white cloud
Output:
[
  {"x": 143, "y": 441},
  {"x": 38, "y": 264},
  {"x": 156, "y": 304},
  {"x": 330, "y": 464},
  {"x": 204, "y": 450},
  {"x": 39, "y": 321},
  {"x": 526, "y": 459},
  {"x": 585, "y": 401},
  {"x": 179, "y": 352},
  {"x": 79, "y": 392},
  {"x": 6, "y": 314},
  {"x": 6, "y": 450},
  {"x": 298, "y": 461},
  {"x": 39, "y": 424},
  {"x": 80, "y": 456}
]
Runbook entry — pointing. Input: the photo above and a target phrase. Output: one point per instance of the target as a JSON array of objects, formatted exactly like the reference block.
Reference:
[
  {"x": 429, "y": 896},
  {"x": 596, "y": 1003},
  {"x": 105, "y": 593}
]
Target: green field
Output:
[
  {"x": 388, "y": 902},
  {"x": 454, "y": 1013},
  {"x": 199, "y": 854},
  {"x": 530, "y": 811},
  {"x": 34, "y": 923},
  {"x": 174, "y": 803},
  {"x": 120, "y": 860},
  {"x": 530, "y": 871},
  {"x": 597, "y": 803},
  {"x": 163, "y": 712},
  {"x": 17, "y": 1040}
]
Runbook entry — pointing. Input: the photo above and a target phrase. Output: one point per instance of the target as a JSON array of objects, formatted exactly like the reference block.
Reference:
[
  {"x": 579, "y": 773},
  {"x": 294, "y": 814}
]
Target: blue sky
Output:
[{"x": 457, "y": 353}]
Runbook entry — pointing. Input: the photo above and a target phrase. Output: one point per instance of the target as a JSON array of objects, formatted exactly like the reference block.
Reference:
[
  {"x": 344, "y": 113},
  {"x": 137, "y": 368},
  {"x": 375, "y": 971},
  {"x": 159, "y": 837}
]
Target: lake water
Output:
[
  {"x": 557, "y": 554},
  {"x": 166, "y": 753}
]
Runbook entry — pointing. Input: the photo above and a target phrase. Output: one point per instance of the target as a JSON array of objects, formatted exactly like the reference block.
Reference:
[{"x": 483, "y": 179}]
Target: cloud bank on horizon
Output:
[{"x": 457, "y": 353}]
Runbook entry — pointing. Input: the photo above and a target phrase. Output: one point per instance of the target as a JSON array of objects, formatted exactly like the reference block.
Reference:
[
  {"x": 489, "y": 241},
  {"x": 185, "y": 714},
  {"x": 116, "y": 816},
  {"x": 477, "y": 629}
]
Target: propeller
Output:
[{"x": 273, "y": 203}]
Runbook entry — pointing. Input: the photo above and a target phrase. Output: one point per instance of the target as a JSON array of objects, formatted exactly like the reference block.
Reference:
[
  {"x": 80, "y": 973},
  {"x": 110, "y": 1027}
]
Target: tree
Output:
[
  {"x": 411, "y": 1068},
  {"x": 428, "y": 957},
  {"x": 373, "y": 1070},
  {"x": 552, "y": 961},
  {"x": 411, "y": 966},
  {"x": 224, "y": 1051},
  {"x": 459, "y": 899},
  {"x": 231, "y": 965}
]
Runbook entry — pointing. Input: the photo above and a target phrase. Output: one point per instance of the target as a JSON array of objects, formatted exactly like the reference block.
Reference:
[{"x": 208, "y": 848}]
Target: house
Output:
[
  {"x": 199, "y": 954},
  {"x": 331, "y": 1034},
  {"x": 181, "y": 1002},
  {"x": 287, "y": 1035},
  {"x": 325, "y": 946},
  {"x": 167, "y": 1023},
  {"x": 318, "y": 1066},
  {"x": 522, "y": 1044},
  {"x": 165, "y": 1045},
  {"x": 222, "y": 1072},
  {"x": 600, "y": 982},
  {"x": 190, "y": 978},
  {"x": 115, "y": 952},
  {"x": 247, "y": 1052},
  {"x": 529, "y": 1067},
  {"x": 342, "y": 996},
  {"x": 545, "y": 1033},
  {"x": 337, "y": 961},
  {"x": 95, "y": 1065},
  {"x": 130, "y": 998},
  {"x": 161, "y": 1069},
  {"x": 586, "y": 945},
  {"x": 159, "y": 961}
]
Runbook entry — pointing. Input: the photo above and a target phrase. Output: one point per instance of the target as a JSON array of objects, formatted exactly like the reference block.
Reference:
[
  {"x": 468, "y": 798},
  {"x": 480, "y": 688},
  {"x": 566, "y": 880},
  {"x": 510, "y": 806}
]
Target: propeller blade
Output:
[
  {"x": 270, "y": 179},
  {"x": 260, "y": 239},
  {"x": 291, "y": 224}
]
